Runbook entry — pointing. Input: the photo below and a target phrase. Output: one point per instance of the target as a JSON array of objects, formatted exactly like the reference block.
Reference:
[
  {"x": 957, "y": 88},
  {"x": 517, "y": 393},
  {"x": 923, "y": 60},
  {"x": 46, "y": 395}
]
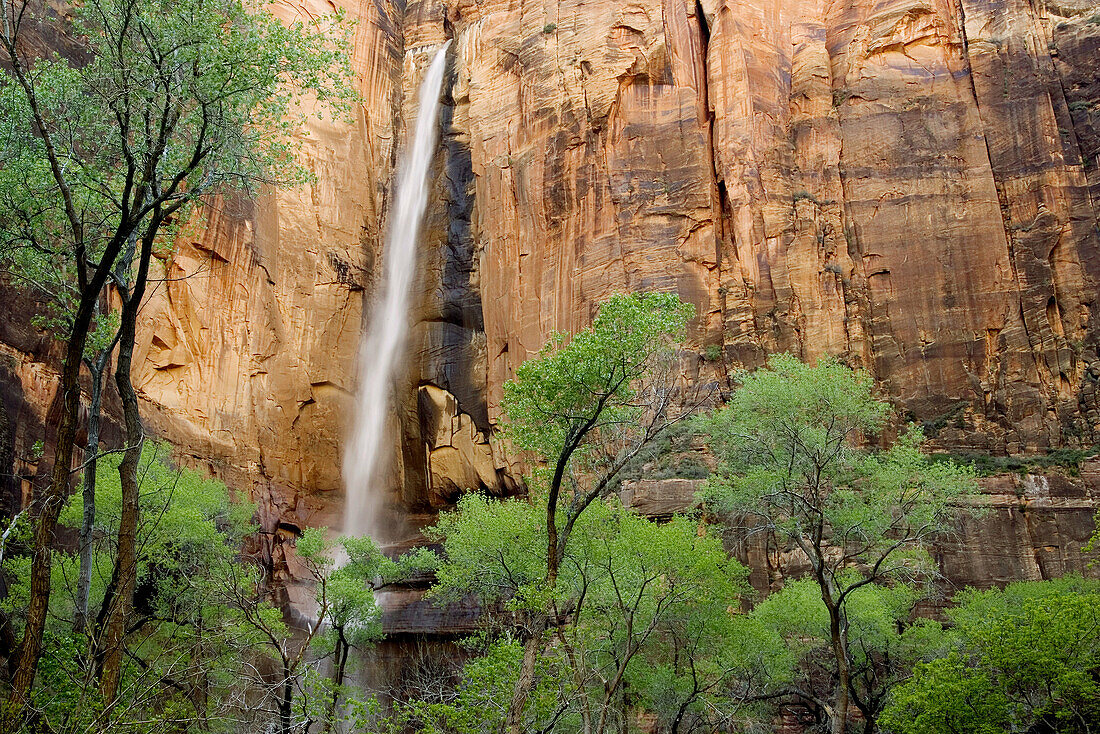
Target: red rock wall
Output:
[
  {"x": 910, "y": 184},
  {"x": 898, "y": 182}
]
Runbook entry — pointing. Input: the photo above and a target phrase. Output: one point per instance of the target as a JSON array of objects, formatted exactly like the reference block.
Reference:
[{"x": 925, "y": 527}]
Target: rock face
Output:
[
  {"x": 1022, "y": 527},
  {"x": 896, "y": 182},
  {"x": 912, "y": 185},
  {"x": 247, "y": 349}
]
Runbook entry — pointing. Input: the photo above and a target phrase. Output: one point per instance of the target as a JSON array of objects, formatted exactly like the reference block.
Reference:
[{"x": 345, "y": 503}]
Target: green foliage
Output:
[
  {"x": 346, "y": 616},
  {"x": 788, "y": 442},
  {"x": 344, "y": 587},
  {"x": 479, "y": 704},
  {"x": 203, "y": 622},
  {"x": 653, "y": 605},
  {"x": 1026, "y": 658},
  {"x": 791, "y": 628},
  {"x": 792, "y": 463},
  {"x": 800, "y": 410},
  {"x": 584, "y": 408},
  {"x": 492, "y": 549},
  {"x": 163, "y": 104},
  {"x": 583, "y": 385},
  {"x": 183, "y": 631},
  {"x": 1068, "y": 460}
]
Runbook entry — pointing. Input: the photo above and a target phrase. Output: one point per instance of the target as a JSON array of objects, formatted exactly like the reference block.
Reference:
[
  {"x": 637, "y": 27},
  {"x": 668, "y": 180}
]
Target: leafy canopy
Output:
[
  {"x": 1025, "y": 658},
  {"x": 790, "y": 443},
  {"x": 161, "y": 103},
  {"x": 792, "y": 657},
  {"x": 646, "y": 606},
  {"x": 182, "y": 631},
  {"x": 582, "y": 384}
]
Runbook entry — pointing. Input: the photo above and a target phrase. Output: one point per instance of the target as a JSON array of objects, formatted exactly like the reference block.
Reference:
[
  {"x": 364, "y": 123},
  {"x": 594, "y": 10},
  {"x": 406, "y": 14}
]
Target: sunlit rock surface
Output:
[{"x": 911, "y": 185}]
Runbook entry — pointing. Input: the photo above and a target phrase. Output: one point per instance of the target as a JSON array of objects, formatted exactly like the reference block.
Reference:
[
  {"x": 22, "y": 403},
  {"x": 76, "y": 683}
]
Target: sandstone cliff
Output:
[{"x": 910, "y": 184}]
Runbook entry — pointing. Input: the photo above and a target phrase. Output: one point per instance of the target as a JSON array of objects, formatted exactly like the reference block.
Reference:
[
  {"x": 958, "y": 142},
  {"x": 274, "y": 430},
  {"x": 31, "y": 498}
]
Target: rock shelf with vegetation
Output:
[{"x": 748, "y": 381}]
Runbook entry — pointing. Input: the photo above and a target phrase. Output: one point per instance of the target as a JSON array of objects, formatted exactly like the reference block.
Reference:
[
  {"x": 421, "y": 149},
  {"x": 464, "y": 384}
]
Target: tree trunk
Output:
[
  {"x": 341, "y": 660},
  {"x": 87, "y": 524},
  {"x": 126, "y": 562},
  {"x": 513, "y": 724},
  {"x": 533, "y": 646},
  {"x": 838, "y": 637},
  {"x": 285, "y": 702},
  {"x": 49, "y": 505}
]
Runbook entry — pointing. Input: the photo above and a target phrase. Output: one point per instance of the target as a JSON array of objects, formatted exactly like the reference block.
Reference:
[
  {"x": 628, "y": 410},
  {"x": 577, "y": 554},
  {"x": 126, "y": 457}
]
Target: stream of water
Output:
[{"x": 382, "y": 347}]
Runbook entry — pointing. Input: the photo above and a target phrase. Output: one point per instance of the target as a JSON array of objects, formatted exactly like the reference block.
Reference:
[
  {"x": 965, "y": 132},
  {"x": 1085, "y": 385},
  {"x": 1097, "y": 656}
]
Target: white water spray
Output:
[{"x": 381, "y": 350}]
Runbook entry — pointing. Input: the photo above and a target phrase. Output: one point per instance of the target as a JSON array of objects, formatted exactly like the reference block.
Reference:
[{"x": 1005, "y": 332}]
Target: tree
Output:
[
  {"x": 792, "y": 627},
  {"x": 354, "y": 617},
  {"x": 184, "y": 656},
  {"x": 1022, "y": 659},
  {"x": 162, "y": 106},
  {"x": 346, "y": 615},
  {"x": 792, "y": 464},
  {"x": 582, "y": 409},
  {"x": 640, "y": 604}
]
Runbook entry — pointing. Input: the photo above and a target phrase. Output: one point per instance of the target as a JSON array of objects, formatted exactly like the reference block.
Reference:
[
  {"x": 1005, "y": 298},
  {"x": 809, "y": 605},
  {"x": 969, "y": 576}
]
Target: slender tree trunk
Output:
[
  {"x": 10, "y": 502},
  {"x": 49, "y": 504},
  {"x": 838, "y": 637},
  {"x": 681, "y": 712},
  {"x": 342, "y": 649},
  {"x": 513, "y": 724},
  {"x": 285, "y": 702},
  {"x": 87, "y": 524},
  {"x": 623, "y": 709},
  {"x": 126, "y": 562}
]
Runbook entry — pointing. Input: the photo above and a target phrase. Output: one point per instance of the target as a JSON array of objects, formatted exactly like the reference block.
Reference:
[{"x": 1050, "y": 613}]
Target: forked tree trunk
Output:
[{"x": 340, "y": 662}]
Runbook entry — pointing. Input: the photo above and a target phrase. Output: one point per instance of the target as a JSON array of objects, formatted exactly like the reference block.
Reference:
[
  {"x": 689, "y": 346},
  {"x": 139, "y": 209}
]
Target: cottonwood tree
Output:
[
  {"x": 582, "y": 409},
  {"x": 794, "y": 462},
  {"x": 646, "y": 616},
  {"x": 161, "y": 106},
  {"x": 795, "y": 668}
]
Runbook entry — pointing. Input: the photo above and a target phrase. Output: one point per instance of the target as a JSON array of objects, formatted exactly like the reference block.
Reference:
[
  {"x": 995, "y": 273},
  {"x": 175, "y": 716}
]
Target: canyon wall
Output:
[{"x": 911, "y": 185}]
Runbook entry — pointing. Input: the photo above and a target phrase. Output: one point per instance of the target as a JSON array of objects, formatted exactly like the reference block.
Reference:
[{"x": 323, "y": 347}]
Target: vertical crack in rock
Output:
[{"x": 719, "y": 197}]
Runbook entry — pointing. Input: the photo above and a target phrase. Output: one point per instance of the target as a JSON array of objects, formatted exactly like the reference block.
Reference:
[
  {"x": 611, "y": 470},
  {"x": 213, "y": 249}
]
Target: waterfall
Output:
[{"x": 383, "y": 344}]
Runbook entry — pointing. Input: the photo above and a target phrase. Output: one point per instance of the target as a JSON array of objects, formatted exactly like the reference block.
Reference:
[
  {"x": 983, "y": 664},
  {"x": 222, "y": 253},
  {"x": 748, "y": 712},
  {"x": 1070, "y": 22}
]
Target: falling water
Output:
[{"x": 385, "y": 337}]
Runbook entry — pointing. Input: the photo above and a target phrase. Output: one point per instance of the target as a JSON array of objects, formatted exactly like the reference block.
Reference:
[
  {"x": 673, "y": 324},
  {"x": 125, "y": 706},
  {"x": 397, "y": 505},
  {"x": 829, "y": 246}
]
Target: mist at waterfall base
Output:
[{"x": 383, "y": 346}]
